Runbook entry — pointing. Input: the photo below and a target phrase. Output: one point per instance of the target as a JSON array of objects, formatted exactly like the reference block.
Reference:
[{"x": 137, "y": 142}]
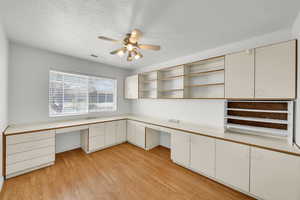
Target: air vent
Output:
[{"x": 93, "y": 55}]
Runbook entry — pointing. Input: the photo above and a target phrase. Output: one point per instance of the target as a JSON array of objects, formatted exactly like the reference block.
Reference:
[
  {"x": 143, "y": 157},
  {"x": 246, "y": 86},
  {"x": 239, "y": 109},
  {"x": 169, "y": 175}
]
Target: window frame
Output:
[{"x": 115, "y": 98}]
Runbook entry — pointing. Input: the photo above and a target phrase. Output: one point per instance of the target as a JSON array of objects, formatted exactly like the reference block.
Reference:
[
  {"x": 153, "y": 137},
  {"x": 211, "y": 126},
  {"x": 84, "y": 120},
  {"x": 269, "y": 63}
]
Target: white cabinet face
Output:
[
  {"x": 121, "y": 131},
  {"x": 131, "y": 132},
  {"x": 239, "y": 75},
  {"x": 140, "y": 135},
  {"x": 180, "y": 148},
  {"x": 274, "y": 176},
  {"x": 110, "y": 133},
  {"x": 97, "y": 130},
  {"x": 97, "y": 142},
  {"x": 232, "y": 164},
  {"x": 275, "y": 71},
  {"x": 203, "y": 154},
  {"x": 132, "y": 87}
]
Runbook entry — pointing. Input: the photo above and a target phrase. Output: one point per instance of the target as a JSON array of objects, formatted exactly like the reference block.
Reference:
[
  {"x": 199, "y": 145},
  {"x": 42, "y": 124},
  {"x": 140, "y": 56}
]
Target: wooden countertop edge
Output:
[{"x": 164, "y": 126}]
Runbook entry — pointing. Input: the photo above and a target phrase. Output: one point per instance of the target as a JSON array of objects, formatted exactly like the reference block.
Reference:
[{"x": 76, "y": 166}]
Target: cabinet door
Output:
[
  {"x": 180, "y": 148},
  {"x": 121, "y": 131},
  {"x": 140, "y": 135},
  {"x": 203, "y": 154},
  {"x": 131, "y": 132},
  {"x": 275, "y": 71},
  {"x": 97, "y": 130},
  {"x": 132, "y": 87},
  {"x": 239, "y": 75},
  {"x": 110, "y": 133},
  {"x": 232, "y": 164},
  {"x": 274, "y": 176}
]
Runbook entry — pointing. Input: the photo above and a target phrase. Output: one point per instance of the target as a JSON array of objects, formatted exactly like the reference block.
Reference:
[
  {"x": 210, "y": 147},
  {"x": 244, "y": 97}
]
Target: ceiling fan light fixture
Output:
[
  {"x": 129, "y": 47},
  {"x": 138, "y": 56},
  {"x": 121, "y": 52}
]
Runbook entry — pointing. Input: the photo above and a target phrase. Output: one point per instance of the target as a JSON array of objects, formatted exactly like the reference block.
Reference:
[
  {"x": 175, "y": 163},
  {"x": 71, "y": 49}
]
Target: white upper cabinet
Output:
[
  {"x": 274, "y": 176},
  {"x": 239, "y": 75},
  {"x": 203, "y": 154},
  {"x": 180, "y": 148},
  {"x": 233, "y": 164},
  {"x": 275, "y": 71},
  {"x": 132, "y": 87}
]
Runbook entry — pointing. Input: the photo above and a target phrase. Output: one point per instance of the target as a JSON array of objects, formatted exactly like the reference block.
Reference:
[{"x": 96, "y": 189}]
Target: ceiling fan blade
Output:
[
  {"x": 135, "y": 35},
  {"x": 108, "y": 39},
  {"x": 117, "y": 51},
  {"x": 149, "y": 47}
]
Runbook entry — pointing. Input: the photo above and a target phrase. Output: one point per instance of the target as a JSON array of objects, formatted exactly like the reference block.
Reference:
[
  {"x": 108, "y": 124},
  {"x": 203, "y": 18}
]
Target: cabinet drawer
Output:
[
  {"x": 27, "y": 146},
  {"x": 26, "y": 137},
  {"x": 28, "y": 155},
  {"x": 97, "y": 130},
  {"x": 97, "y": 142},
  {"x": 28, "y": 164}
]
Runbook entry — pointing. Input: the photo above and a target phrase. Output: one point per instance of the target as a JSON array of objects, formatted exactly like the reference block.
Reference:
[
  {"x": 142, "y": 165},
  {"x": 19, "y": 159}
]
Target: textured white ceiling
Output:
[{"x": 181, "y": 27}]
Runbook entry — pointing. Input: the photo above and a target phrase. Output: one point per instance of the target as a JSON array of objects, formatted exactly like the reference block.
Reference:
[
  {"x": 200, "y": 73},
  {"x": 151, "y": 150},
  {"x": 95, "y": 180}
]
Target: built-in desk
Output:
[
  {"x": 161, "y": 125},
  {"x": 255, "y": 165}
]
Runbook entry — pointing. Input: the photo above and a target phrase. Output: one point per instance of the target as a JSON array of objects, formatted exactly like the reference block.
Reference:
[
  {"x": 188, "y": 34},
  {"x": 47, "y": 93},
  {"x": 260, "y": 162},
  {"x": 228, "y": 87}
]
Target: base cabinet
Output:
[
  {"x": 203, "y": 154},
  {"x": 136, "y": 133},
  {"x": 274, "y": 175},
  {"x": 232, "y": 164},
  {"x": 29, "y": 151},
  {"x": 121, "y": 131},
  {"x": 180, "y": 148},
  {"x": 104, "y": 135},
  {"x": 110, "y": 133}
]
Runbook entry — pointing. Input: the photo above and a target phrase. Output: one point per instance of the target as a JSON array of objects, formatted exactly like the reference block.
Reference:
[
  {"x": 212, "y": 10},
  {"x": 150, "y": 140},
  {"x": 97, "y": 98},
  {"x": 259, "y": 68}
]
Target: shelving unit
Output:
[
  {"x": 148, "y": 84},
  {"x": 274, "y": 118},
  {"x": 171, "y": 82},
  {"x": 198, "y": 80},
  {"x": 205, "y": 79}
]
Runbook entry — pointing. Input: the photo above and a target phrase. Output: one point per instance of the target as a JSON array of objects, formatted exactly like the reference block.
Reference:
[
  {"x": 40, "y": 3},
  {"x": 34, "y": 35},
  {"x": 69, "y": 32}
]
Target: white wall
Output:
[
  {"x": 3, "y": 92},
  {"x": 28, "y": 86},
  {"x": 207, "y": 112},
  {"x": 296, "y": 33}
]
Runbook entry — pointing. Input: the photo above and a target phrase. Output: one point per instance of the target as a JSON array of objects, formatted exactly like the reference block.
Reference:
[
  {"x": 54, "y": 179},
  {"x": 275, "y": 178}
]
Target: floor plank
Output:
[{"x": 121, "y": 172}]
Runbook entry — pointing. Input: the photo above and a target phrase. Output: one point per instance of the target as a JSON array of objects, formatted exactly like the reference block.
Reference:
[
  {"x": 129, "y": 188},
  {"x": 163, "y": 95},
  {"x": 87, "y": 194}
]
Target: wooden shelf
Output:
[
  {"x": 205, "y": 85},
  {"x": 171, "y": 78},
  {"x": 147, "y": 81},
  {"x": 148, "y": 90},
  {"x": 171, "y": 90},
  {"x": 204, "y": 72}
]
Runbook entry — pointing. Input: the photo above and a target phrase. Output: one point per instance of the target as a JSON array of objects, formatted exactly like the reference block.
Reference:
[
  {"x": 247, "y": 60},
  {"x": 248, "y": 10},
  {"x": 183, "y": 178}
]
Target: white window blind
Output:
[{"x": 73, "y": 94}]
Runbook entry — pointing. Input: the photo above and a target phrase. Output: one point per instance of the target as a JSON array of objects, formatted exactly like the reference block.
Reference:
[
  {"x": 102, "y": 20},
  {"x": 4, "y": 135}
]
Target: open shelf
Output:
[
  {"x": 171, "y": 90},
  {"x": 205, "y": 85},
  {"x": 148, "y": 85},
  {"x": 171, "y": 78},
  {"x": 261, "y": 117},
  {"x": 200, "y": 73}
]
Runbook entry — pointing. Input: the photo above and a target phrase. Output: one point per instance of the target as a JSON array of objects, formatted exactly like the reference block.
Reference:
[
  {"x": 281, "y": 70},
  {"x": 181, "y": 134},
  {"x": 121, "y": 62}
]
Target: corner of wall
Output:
[
  {"x": 296, "y": 34},
  {"x": 3, "y": 92}
]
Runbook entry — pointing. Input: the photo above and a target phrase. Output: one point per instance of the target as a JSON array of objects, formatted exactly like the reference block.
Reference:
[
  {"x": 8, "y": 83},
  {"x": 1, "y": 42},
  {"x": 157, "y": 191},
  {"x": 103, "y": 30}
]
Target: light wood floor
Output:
[{"x": 122, "y": 172}]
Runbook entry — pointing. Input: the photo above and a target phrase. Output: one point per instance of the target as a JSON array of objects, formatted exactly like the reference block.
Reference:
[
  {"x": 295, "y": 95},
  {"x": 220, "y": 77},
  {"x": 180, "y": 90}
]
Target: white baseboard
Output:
[{"x": 1, "y": 182}]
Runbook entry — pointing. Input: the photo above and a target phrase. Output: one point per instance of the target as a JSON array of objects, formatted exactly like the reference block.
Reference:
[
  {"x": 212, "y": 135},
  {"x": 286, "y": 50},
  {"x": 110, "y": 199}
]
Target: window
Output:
[{"x": 73, "y": 94}]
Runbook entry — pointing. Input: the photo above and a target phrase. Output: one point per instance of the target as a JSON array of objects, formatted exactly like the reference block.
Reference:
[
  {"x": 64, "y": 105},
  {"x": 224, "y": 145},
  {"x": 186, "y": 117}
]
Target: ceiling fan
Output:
[{"x": 131, "y": 45}]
